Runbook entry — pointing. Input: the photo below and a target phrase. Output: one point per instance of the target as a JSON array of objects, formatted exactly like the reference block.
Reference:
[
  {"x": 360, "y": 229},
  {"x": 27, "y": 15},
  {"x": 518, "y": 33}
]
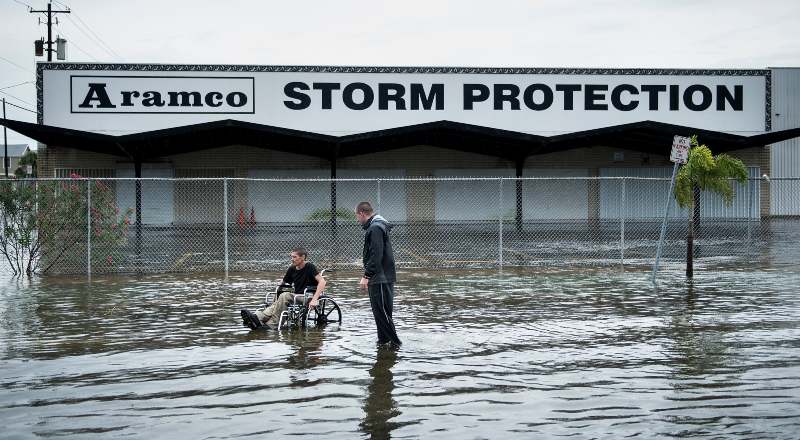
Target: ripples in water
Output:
[{"x": 486, "y": 355}]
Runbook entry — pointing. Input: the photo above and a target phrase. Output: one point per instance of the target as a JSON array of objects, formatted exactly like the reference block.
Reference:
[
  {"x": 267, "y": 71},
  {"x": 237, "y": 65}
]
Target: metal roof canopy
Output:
[{"x": 645, "y": 136}]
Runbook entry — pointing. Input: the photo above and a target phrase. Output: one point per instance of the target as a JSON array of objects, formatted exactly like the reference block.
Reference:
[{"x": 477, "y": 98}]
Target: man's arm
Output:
[
  {"x": 320, "y": 288},
  {"x": 374, "y": 262},
  {"x": 287, "y": 279}
]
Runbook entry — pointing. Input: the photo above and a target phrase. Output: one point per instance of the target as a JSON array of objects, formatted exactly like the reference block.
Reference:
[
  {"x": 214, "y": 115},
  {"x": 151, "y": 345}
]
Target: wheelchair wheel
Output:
[
  {"x": 283, "y": 321},
  {"x": 327, "y": 312}
]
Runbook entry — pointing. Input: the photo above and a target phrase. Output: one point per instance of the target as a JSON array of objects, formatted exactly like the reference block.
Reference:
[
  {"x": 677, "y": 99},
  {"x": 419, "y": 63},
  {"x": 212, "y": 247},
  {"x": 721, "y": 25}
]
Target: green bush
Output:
[{"x": 324, "y": 214}]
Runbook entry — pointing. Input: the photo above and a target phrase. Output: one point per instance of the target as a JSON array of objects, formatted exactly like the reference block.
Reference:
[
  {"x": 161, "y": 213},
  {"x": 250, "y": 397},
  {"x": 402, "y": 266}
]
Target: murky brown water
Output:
[{"x": 515, "y": 354}]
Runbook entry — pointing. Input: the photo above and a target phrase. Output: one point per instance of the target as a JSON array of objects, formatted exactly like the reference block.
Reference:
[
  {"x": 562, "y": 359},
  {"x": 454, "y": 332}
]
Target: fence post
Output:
[
  {"x": 379, "y": 195},
  {"x": 500, "y": 241},
  {"x": 751, "y": 200},
  {"x": 89, "y": 228},
  {"x": 622, "y": 226},
  {"x": 225, "y": 220}
]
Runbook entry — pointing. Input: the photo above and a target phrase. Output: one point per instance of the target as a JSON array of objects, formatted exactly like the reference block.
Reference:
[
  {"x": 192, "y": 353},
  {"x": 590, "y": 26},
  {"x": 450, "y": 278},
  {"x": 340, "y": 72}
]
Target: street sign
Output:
[
  {"x": 680, "y": 149},
  {"x": 679, "y": 155}
]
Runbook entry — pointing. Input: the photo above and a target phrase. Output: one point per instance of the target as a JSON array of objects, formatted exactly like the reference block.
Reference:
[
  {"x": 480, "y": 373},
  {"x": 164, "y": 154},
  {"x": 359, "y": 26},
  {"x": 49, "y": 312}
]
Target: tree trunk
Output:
[
  {"x": 698, "y": 230},
  {"x": 690, "y": 249},
  {"x": 694, "y": 227}
]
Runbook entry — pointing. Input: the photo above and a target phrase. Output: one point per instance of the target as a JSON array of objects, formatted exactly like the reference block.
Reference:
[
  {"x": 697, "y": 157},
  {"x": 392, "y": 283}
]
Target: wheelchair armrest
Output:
[{"x": 271, "y": 297}]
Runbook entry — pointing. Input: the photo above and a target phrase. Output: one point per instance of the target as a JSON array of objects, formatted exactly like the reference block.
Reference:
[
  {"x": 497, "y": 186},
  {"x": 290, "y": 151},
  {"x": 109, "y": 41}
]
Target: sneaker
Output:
[{"x": 250, "y": 319}]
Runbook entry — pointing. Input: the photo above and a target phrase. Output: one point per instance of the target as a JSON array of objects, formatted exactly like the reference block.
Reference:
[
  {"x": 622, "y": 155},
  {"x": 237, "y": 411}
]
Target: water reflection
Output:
[
  {"x": 697, "y": 343},
  {"x": 485, "y": 355},
  {"x": 379, "y": 406},
  {"x": 307, "y": 348}
]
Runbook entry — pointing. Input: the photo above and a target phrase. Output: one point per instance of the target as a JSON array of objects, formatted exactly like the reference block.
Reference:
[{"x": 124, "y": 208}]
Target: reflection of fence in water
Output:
[{"x": 219, "y": 224}]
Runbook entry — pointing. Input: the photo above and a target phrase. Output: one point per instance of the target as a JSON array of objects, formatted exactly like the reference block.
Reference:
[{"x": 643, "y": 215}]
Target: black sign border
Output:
[
  {"x": 252, "y": 86},
  {"x": 40, "y": 67}
]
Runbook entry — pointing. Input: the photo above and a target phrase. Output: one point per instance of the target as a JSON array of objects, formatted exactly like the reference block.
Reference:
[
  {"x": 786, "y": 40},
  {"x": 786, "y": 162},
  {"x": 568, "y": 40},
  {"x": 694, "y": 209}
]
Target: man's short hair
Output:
[
  {"x": 364, "y": 207},
  {"x": 301, "y": 251}
]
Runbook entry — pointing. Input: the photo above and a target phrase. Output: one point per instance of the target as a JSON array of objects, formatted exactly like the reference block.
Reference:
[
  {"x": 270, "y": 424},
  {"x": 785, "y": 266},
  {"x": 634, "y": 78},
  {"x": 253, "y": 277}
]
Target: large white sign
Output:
[{"x": 129, "y": 99}]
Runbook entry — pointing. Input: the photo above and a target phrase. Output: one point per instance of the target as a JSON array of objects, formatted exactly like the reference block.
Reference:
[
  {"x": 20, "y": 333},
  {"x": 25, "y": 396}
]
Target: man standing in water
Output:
[{"x": 379, "y": 272}]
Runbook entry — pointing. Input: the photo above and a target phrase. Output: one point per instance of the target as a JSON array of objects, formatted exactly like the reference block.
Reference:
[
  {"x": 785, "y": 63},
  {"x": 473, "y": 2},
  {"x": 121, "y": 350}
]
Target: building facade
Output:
[{"x": 319, "y": 122}]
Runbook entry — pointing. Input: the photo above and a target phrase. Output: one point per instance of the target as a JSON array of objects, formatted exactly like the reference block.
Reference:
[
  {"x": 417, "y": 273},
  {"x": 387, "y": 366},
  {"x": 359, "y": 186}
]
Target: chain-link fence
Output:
[{"x": 90, "y": 226}]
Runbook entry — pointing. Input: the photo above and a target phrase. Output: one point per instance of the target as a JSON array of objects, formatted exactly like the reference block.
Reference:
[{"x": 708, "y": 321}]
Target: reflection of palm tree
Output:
[
  {"x": 379, "y": 406},
  {"x": 697, "y": 351}
]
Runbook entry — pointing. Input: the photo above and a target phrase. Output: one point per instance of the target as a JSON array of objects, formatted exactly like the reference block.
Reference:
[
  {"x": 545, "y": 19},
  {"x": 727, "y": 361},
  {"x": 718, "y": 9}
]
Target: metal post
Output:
[
  {"x": 664, "y": 224},
  {"x": 379, "y": 195},
  {"x": 89, "y": 228},
  {"x": 225, "y": 220},
  {"x": 622, "y": 226},
  {"x": 751, "y": 200},
  {"x": 333, "y": 223},
  {"x": 137, "y": 166},
  {"x": 500, "y": 241},
  {"x": 5, "y": 141},
  {"x": 518, "y": 199}
]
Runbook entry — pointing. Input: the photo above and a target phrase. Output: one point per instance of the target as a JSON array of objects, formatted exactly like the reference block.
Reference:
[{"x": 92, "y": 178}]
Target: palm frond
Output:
[{"x": 709, "y": 173}]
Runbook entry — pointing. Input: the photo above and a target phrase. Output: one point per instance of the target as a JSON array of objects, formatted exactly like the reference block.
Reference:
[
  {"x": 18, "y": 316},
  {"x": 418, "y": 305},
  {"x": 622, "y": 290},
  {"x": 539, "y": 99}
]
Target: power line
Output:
[
  {"x": 15, "y": 85},
  {"x": 19, "y": 99},
  {"x": 90, "y": 38},
  {"x": 24, "y": 4},
  {"x": 15, "y": 64},
  {"x": 96, "y": 39},
  {"x": 76, "y": 46},
  {"x": 114, "y": 53},
  {"x": 21, "y": 108}
]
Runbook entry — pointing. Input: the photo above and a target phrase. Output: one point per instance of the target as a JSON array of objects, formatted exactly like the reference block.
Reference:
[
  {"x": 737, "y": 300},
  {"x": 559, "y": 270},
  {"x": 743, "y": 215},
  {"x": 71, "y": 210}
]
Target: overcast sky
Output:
[{"x": 558, "y": 33}]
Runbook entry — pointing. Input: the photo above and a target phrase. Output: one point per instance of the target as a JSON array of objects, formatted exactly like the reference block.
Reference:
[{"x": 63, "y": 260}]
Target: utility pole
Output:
[
  {"x": 5, "y": 141},
  {"x": 50, "y": 13}
]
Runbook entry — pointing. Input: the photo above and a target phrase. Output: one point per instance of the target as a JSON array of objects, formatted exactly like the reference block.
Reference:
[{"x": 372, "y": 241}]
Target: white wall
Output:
[
  {"x": 158, "y": 196},
  {"x": 555, "y": 198},
  {"x": 785, "y": 156},
  {"x": 474, "y": 200},
  {"x": 646, "y": 199}
]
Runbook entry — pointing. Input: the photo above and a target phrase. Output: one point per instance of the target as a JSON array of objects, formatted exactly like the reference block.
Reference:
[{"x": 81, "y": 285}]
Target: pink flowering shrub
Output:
[{"x": 46, "y": 225}]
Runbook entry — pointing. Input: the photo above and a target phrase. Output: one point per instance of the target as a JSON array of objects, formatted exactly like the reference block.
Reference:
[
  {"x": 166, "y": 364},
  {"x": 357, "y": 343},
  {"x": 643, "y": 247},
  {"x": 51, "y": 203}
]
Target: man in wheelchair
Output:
[{"x": 300, "y": 275}]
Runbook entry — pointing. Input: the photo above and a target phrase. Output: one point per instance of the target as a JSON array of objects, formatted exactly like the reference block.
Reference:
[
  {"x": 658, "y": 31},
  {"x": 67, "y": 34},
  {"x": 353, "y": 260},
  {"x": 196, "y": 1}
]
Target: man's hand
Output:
[
  {"x": 363, "y": 283},
  {"x": 313, "y": 303}
]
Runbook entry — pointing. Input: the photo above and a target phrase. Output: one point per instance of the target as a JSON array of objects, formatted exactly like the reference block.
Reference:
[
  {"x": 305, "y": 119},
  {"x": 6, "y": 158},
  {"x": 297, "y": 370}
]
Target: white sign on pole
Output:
[{"x": 680, "y": 149}]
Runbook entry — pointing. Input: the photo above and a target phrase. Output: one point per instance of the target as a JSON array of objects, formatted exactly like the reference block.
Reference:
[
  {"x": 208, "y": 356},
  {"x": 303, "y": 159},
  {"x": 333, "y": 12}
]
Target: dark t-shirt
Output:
[{"x": 301, "y": 278}]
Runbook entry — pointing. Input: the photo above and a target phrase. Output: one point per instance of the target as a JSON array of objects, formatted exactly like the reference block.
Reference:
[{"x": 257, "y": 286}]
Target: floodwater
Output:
[{"x": 486, "y": 354}]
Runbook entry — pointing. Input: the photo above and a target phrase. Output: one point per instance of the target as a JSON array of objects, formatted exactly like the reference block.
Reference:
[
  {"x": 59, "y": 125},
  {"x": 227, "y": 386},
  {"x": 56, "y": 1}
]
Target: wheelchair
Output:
[{"x": 297, "y": 313}]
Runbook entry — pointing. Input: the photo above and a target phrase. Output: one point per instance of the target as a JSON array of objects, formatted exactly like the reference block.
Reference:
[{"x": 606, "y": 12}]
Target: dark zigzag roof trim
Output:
[{"x": 646, "y": 136}]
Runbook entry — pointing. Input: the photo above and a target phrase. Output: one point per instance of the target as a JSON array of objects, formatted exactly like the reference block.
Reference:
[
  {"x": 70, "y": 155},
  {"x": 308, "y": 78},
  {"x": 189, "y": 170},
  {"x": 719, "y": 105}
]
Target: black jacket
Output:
[{"x": 378, "y": 254}]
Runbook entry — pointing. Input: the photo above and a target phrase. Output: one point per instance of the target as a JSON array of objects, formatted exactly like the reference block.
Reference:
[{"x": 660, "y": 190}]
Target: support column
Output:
[
  {"x": 593, "y": 192},
  {"x": 333, "y": 222},
  {"x": 137, "y": 164},
  {"x": 518, "y": 218}
]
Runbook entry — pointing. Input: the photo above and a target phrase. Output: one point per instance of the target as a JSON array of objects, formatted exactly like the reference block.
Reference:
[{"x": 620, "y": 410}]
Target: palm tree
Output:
[{"x": 704, "y": 172}]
